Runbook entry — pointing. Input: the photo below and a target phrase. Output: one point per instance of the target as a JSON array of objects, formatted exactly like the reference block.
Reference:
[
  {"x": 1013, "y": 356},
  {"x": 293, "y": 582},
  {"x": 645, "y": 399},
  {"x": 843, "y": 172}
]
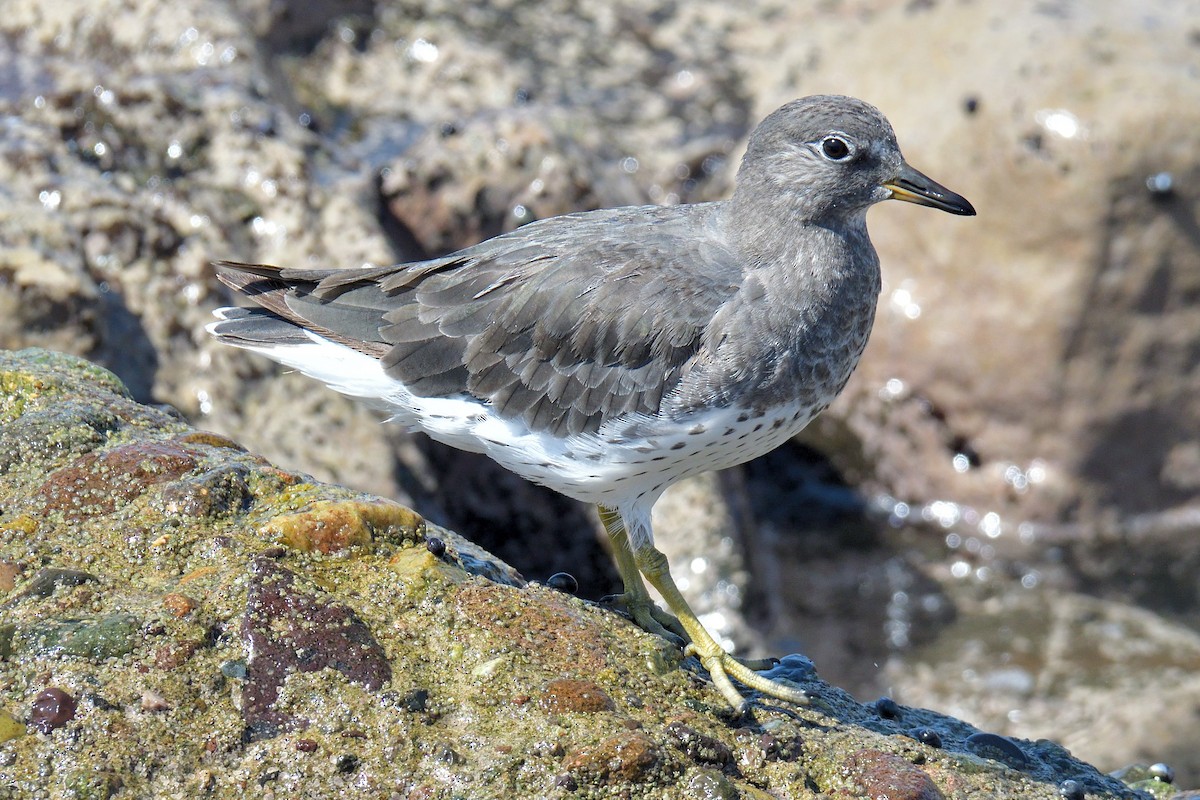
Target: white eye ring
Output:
[{"x": 835, "y": 148}]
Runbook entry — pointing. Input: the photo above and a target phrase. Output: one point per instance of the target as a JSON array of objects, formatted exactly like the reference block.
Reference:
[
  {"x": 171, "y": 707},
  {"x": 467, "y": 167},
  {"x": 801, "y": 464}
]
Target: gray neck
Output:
[{"x": 801, "y": 317}]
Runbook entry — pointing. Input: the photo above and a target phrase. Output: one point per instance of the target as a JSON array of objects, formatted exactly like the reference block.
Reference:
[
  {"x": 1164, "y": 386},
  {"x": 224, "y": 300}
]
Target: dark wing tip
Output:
[{"x": 242, "y": 277}]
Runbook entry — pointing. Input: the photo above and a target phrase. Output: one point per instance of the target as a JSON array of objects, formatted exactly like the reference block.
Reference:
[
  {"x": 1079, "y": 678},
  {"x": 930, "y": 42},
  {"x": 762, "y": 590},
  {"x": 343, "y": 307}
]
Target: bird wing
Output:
[{"x": 564, "y": 323}]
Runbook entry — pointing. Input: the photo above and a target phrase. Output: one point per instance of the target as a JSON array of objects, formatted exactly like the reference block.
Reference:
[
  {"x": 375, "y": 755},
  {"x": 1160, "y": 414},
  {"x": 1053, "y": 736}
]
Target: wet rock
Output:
[
  {"x": 176, "y": 654},
  {"x": 98, "y": 483},
  {"x": 927, "y": 736},
  {"x": 999, "y": 748},
  {"x": 210, "y": 494},
  {"x": 94, "y": 638},
  {"x": 9, "y": 572},
  {"x": 567, "y": 694},
  {"x": 887, "y": 708},
  {"x": 289, "y": 627},
  {"x": 698, "y": 746},
  {"x": 757, "y": 748},
  {"x": 624, "y": 758},
  {"x": 48, "y": 436},
  {"x": 179, "y": 605},
  {"x": 1072, "y": 790},
  {"x": 10, "y": 727},
  {"x": 51, "y": 709},
  {"x": 709, "y": 784},
  {"x": 329, "y": 527},
  {"x": 873, "y": 773},
  {"x": 43, "y": 583},
  {"x": 543, "y": 624}
]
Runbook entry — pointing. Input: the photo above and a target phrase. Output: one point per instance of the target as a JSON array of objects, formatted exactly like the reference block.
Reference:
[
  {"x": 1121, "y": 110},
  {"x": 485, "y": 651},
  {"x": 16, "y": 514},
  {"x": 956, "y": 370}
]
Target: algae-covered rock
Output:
[
  {"x": 97, "y": 639},
  {"x": 185, "y": 619}
]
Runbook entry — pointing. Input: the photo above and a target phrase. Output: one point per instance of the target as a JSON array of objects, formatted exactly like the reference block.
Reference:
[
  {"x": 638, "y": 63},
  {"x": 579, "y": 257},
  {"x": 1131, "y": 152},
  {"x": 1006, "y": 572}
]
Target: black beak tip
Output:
[{"x": 963, "y": 208}]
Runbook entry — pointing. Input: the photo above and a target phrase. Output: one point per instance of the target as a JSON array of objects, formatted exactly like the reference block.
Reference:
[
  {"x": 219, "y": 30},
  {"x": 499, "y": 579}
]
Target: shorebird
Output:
[{"x": 610, "y": 354}]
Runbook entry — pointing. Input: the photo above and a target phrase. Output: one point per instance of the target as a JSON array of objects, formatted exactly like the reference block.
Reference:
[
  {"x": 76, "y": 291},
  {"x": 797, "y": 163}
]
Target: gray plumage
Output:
[{"x": 569, "y": 322}]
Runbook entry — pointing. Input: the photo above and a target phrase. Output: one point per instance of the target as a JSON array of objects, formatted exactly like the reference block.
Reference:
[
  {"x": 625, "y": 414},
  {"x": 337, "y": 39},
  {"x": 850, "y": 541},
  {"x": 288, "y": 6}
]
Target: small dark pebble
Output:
[
  {"x": 46, "y": 580},
  {"x": 306, "y": 745},
  {"x": 887, "y": 708},
  {"x": 1163, "y": 773},
  {"x": 563, "y": 582},
  {"x": 971, "y": 104},
  {"x": 448, "y": 129},
  {"x": 998, "y": 748},
  {"x": 566, "y": 781},
  {"x": 436, "y": 546},
  {"x": 346, "y": 763},
  {"x": 927, "y": 736},
  {"x": 52, "y": 708},
  {"x": 102, "y": 703},
  {"x": 275, "y": 552},
  {"x": 1071, "y": 790},
  {"x": 268, "y": 776},
  {"x": 416, "y": 700},
  {"x": 234, "y": 669}
]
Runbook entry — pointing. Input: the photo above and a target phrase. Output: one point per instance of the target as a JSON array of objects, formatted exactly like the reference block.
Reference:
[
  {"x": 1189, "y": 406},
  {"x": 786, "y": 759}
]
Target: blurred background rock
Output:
[{"x": 999, "y": 518}]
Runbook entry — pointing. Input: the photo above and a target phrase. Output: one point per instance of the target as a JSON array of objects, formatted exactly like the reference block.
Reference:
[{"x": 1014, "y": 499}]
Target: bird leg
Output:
[
  {"x": 720, "y": 664},
  {"x": 635, "y": 600},
  {"x": 683, "y": 624}
]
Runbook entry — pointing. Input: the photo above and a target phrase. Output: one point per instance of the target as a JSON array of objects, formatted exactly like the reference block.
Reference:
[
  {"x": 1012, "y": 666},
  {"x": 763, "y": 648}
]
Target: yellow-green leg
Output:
[
  {"x": 720, "y": 664},
  {"x": 635, "y": 599},
  {"x": 636, "y": 560}
]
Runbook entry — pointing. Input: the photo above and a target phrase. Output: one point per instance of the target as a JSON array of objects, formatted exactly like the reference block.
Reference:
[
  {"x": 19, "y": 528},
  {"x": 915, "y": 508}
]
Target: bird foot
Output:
[
  {"x": 649, "y": 617},
  {"x": 723, "y": 667}
]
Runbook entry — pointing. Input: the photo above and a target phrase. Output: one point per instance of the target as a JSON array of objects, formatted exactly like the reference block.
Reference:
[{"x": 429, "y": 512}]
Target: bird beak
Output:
[{"x": 913, "y": 187}]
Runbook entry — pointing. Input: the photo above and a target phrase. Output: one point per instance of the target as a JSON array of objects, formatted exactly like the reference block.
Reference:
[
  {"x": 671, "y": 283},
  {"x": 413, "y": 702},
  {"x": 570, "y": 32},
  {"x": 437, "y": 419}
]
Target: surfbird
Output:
[{"x": 609, "y": 354}]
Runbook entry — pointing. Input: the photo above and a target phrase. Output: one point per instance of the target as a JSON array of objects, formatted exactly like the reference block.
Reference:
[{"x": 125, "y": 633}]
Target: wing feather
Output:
[{"x": 565, "y": 323}]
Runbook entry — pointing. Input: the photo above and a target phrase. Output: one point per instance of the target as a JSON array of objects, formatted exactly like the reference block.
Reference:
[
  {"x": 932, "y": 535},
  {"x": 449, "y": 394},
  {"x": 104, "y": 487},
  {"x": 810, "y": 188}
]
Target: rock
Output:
[
  {"x": 95, "y": 638},
  {"x": 290, "y": 628},
  {"x": 51, "y": 709},
  {"x": 871, "y": 773},
  {"x": 567, "y": 694},
  {"x": 406, "y": 669}
]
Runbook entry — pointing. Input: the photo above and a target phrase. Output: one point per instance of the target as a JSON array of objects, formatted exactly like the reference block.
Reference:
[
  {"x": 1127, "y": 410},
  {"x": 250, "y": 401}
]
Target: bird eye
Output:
[{"x": 835, "y": 148}]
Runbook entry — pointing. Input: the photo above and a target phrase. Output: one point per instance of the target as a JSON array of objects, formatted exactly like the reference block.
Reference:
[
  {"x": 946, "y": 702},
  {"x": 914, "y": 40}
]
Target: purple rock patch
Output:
[{"x": 292, "y": 629}]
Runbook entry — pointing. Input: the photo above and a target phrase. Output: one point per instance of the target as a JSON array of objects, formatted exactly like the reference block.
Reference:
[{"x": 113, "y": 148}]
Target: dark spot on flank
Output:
[
  {"x": 742, "y": 417},
  {"x": 678, "y": 446},
  {"x": 659, "y": 458},
  {"x": 758, "y": 427},
  {"x": 728, "y": 432},
  {"x": 777, "y": 424}
]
